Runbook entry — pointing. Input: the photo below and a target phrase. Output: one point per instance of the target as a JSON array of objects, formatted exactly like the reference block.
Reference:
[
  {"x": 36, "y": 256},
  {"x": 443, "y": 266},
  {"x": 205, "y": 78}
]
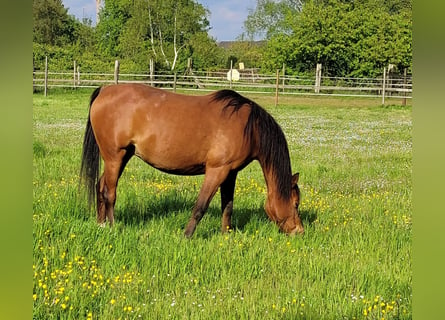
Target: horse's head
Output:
[
  {"x": 286, "y": 214},
  {"x": 295, "y": 226}
]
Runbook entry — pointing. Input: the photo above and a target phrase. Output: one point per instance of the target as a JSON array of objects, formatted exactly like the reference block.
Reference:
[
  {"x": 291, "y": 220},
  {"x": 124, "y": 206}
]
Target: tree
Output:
[
  {"x": 173, "y": 24},
  {"x": 204, "y": 52},
  {"x": 145, "y": 29},
  {"x": 58, "y": 35},
  {"x": 271, "y": 18},
  {"x": 349, "y": 38},
  {"x": 51, "y": 23},
  {"x": 248, "y": 52},
  {"x": 113, "y": 17},
  {"x": 323, "y": 35}
]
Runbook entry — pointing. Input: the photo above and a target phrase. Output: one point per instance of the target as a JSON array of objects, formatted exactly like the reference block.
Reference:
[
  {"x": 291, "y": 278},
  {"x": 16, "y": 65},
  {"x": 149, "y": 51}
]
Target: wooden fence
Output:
[{"x": 247, "y": 81}]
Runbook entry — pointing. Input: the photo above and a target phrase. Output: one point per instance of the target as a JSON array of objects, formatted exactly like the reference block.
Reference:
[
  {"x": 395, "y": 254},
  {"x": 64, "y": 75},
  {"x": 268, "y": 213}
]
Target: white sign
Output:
[{"x": 233, "y": 75}]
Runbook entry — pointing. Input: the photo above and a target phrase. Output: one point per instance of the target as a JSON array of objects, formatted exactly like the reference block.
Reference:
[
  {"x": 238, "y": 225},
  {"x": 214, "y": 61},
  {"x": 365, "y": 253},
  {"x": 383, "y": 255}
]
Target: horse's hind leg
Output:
[
  {"x": 100, "y": 205},
  {"x": 106, "y": 192},
  {"x": 107, "y": 184},
  {"x": 227, "y": 190}
]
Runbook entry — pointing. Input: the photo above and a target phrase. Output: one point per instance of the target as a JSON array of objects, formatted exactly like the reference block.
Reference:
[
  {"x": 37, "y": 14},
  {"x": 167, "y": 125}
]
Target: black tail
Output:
[{"x": 89, "y": 169}]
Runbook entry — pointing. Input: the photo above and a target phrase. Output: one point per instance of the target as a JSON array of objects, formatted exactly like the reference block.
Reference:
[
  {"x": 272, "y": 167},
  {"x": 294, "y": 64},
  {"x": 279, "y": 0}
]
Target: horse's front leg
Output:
[
  {"x": 227, "y": 191},
  {"x": 212, "y": 180}
]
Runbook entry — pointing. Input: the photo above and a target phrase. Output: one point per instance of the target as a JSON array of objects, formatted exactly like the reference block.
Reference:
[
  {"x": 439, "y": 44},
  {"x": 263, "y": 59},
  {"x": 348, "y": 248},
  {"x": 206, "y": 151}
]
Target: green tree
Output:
[
  {"x": 248, "y": 52},
  {"x": 323, "y": 35},
  {"x": 145, "y": 29},
  {"x": 113, "y": 17},
  {"x": 59, "y": 36},
  {"x": 271, "y": 18},
  {"x": 349, "y": 38},
  {"x": 51, "y": 23},
  {"x": 174, "y": 24},
  {"x": 133, "y": 41},
  {"x": 204, "y": 51}
]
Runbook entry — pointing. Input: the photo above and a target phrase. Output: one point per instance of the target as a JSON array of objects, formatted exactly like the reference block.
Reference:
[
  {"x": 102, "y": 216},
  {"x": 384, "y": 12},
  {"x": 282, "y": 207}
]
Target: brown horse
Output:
[{"x": 216, "y": 135}]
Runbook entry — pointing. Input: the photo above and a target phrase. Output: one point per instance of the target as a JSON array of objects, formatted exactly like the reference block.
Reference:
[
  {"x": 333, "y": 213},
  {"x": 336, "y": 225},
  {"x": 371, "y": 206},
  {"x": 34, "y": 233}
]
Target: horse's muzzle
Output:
[{"x": 298, "y": 230}]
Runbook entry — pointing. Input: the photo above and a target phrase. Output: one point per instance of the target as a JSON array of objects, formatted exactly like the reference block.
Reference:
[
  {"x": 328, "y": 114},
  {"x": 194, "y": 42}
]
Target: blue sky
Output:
[{"x": 226, "y": 16}]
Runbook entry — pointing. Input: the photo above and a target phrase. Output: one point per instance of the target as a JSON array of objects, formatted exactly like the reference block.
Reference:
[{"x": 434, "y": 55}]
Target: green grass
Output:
[{"x": 354, "y": 261}]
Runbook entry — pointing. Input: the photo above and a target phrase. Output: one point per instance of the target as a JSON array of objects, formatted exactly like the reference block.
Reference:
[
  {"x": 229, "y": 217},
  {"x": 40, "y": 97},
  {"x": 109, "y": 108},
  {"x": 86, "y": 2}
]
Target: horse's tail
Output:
[{"x": 90, "y": 166}]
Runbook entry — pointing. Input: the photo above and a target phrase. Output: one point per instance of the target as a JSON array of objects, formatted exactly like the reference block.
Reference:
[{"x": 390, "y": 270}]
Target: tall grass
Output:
[{"x": 354, "y": 261}]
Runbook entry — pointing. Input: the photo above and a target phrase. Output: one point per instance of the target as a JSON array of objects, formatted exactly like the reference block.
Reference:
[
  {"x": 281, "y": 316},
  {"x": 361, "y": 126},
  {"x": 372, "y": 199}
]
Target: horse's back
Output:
[{"x": 170, "y": 131}]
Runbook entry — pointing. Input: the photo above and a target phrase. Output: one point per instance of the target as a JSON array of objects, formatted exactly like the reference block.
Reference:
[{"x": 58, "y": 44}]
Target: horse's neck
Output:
[
  {"x": 273, "y": 186},
  {"x": 276, "y": 206}
]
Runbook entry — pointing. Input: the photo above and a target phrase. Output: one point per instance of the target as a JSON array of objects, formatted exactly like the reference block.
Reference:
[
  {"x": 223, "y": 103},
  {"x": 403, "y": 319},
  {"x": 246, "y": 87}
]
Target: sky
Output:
[{"x": 226, "y": 16}]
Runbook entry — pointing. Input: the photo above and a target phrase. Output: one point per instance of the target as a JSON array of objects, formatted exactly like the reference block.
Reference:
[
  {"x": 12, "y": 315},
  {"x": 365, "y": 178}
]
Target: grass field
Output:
[{"x": 354, "y": 261}]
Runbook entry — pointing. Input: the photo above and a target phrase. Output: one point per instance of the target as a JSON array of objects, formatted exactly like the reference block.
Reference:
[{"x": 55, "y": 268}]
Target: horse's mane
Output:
[{"x": 272, "y": 142}]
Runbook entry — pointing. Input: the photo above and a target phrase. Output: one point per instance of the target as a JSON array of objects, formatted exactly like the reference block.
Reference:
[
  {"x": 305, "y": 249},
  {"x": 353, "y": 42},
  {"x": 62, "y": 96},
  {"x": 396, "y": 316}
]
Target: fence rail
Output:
[{"x": 246, "y": 81}]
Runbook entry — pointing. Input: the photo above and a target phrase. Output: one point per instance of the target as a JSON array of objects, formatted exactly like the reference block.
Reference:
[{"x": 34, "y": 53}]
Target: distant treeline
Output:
[{"x": 348, "y": 37}]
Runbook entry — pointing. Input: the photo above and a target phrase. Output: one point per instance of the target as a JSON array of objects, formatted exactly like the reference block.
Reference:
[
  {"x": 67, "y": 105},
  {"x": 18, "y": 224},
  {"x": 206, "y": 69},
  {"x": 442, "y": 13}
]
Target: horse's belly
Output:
[{"x": 172, "y": 158}]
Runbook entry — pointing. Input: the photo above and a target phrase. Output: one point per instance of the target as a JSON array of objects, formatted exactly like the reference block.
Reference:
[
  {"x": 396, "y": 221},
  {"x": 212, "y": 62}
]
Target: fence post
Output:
[
  {"x": 78, "y": 75},
  {"x": 116, "y": 72},
  {"x": 152, "y": 70},
  {"x": 46, "y": 76},
  {"x": 276, "y": 87},
  {"x": 404, "y": 88},
  {"x": 231, "y": 67},
  {"x": 74, "y": 75},
  {"x": 383, "y": 86},
  {"x": 318, "y": 78},
  {"x": 174, "y": 82},
  {"x": 33, "y": 75},
  {"x": 284, "y": 75}
]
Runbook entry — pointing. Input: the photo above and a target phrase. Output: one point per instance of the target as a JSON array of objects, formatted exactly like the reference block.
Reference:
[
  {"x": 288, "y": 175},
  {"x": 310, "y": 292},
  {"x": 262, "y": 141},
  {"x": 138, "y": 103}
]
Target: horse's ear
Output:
[{"x": 295, "y": 178}]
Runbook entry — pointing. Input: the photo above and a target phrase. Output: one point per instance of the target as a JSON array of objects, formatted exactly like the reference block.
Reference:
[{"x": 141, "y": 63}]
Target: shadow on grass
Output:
[
  {"x": 141, "y": 211},
  {"x": 308, "y": 216},
  {"x": 180, "y": 209}
]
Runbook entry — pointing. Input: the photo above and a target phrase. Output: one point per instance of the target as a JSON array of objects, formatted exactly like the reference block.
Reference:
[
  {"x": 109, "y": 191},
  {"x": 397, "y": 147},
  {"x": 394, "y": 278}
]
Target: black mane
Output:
[{"x": 272, "y": 144}]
